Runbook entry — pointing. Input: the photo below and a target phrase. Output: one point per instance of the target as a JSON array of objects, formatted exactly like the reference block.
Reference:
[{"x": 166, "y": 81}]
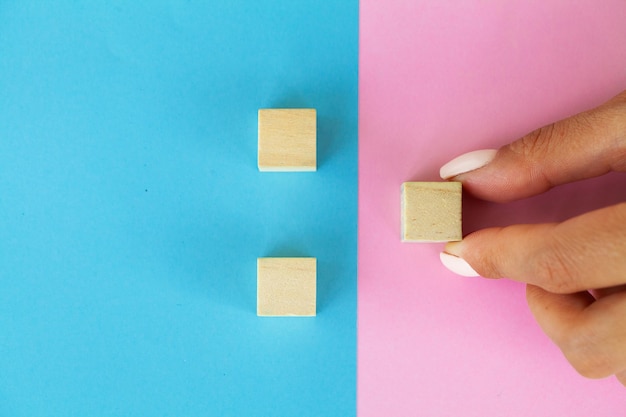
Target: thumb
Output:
[
  {"x": 583, "y": 146},
  {"x": 582, "y": 253}
]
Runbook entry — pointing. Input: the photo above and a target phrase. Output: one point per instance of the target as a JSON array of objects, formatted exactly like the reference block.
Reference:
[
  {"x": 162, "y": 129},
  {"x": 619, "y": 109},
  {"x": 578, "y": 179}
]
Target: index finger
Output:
[{"x": 586, "y": 145}]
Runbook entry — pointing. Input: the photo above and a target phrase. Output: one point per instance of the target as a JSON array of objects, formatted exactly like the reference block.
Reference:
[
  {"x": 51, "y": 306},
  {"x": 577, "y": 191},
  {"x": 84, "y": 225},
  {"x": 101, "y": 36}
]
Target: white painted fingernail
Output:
[
  {"x": 467, "y": 162},
  {"x": 457, "y": 265}
]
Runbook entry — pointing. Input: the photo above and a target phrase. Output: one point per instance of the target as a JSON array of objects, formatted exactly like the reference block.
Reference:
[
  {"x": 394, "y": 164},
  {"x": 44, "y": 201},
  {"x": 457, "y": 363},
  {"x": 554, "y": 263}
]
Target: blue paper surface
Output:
[{"x": 132, "y": 211}]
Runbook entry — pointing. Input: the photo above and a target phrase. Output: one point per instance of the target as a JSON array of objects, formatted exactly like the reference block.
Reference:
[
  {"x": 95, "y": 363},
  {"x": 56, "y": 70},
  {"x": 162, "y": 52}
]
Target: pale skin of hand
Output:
[{"x": 575, "y": 271}]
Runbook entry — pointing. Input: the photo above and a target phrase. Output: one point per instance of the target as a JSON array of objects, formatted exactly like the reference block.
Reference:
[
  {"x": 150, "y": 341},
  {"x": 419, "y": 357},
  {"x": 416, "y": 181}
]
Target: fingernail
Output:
[
  {"x": 467, "y": 162},
  {"x": 457, "y": 265}
]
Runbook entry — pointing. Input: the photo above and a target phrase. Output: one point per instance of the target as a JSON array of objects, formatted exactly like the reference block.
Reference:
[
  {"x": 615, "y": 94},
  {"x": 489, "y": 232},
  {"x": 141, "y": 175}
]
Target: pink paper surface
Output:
[{"x": 438, "y": 79}]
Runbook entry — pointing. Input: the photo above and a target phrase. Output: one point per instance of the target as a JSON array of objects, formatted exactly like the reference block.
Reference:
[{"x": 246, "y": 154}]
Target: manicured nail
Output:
[
  {"x": 457, "y": 265},
  {"x": 467, "y": 162}
]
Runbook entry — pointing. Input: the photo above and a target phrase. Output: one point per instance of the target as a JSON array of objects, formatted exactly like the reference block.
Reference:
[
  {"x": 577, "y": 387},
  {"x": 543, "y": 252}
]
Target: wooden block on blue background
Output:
[
  {"x": 286, "y": 286},
  {"x": 431, "y": 211},
  {"x": 287, "y": 140}
]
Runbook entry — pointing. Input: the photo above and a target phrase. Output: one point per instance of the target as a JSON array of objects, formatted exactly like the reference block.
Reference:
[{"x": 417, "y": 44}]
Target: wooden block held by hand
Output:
[
  {"x": 431, "y": 211},
  {"x": 286, "y": 286},
  {"x": 287, "y": 140}
]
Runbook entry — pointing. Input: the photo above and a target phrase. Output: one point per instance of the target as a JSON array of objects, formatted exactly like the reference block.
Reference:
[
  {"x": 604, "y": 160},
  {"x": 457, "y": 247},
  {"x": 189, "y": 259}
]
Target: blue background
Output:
[{"x": 132, "y": 211}]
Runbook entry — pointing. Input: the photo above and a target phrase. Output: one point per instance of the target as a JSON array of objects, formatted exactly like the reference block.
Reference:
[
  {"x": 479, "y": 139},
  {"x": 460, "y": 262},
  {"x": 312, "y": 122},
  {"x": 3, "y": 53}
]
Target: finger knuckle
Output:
[
  {"x": 554, "y": 271},
  {"x": 609, "y": 122},
  {"x": 535, "y": 144}
]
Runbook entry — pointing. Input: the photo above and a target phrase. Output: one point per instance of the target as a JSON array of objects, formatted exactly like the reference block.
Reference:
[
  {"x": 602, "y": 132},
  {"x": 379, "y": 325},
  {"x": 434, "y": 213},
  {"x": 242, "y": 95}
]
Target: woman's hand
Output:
[{"x": 575, "y": 270}]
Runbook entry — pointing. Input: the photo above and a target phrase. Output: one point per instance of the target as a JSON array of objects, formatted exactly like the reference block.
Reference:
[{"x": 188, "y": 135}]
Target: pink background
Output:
[{"x": 438, "y": 79}]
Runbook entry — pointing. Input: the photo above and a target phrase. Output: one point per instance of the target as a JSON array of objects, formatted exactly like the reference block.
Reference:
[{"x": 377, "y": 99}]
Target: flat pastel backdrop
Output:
[
  {"x": 437, "y": 79},
  {"x": 132, "y": 211}
]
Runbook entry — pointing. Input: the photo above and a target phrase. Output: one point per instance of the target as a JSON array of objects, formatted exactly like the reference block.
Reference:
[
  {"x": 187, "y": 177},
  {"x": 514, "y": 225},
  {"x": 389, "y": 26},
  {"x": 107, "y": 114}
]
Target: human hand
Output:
[{"x": 575, "y": 271}]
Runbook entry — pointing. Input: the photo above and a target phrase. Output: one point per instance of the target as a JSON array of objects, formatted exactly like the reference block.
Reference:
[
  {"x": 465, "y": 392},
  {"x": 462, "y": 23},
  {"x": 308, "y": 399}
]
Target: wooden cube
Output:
[
  {"x": 431, "y": 211},
  {"x": 286, "y": 286},
  {"x": 287, "y": 140}
]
